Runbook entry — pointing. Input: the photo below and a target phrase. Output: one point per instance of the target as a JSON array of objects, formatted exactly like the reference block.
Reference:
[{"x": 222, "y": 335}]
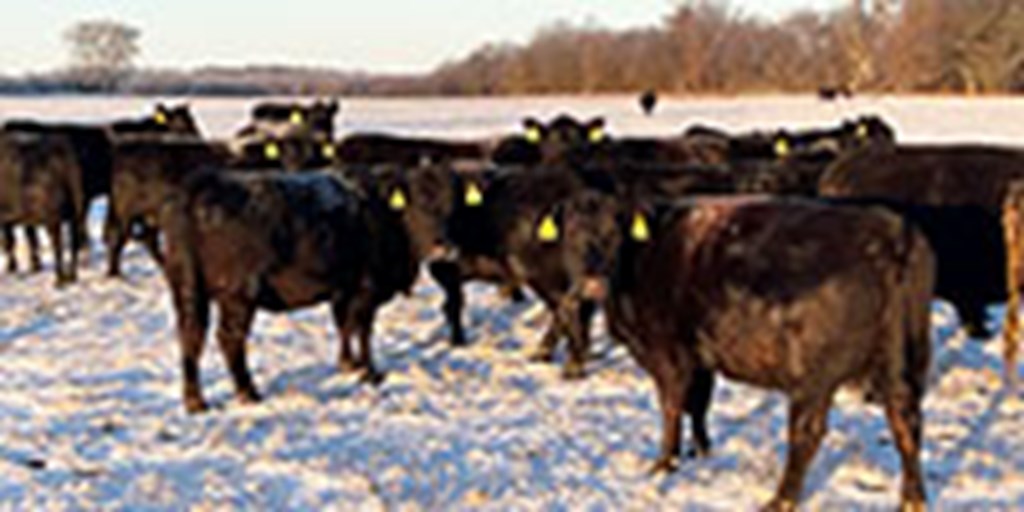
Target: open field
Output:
[{"x": 90, "y": 412}]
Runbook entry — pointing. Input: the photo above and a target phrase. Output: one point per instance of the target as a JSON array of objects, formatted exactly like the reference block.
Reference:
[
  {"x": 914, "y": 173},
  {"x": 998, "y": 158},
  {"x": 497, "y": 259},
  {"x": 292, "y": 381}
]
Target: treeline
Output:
[
  {"x": 969, "y": 46},
  {"x": 704, "y": 46}
]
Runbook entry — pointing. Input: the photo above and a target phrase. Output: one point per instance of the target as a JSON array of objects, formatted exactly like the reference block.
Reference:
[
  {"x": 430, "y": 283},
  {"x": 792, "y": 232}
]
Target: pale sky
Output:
[{"x": 374, "y": 35}]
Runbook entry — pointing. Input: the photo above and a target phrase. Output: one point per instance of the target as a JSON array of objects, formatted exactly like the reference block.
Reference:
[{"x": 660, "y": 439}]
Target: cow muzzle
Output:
[
  {"x": 594, "y": 288},
  {"x": 442, "y": 253}
]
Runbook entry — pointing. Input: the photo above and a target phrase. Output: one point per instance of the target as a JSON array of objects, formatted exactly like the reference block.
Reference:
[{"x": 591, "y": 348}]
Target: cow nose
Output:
[
  {"x": 594, "y": 288},
  {"x": 442, "y": 252}
]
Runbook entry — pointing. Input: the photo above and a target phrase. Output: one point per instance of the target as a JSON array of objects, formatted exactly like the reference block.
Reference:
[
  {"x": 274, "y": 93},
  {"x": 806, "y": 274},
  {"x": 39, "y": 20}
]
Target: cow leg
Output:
[
  {"x": 363, "y": 311},
  {"x": 32, "y": 237},
  {"x": 76, "y": 246},
  {"x": 545, "y": 351},
  {"x": 579, "y": 340},
  {"x": 903, "y": 410},
  {"x": 151, "y": 241},
  {"x": 808, "y": 423},
  {"x": 449, "y": 277},
  {"x": 671, "y": 393},
  {"x": 340, "y": 310},
  {"x": 192, "y": 308},
  {"x": 9, "y": 246},
  {"x": 56, "y": 233},
  {"x": 236, "y": 316},
  {"x": 698, "y": 401},
  {"x": 973, "y": 316},
  {"x": 114, "y": 235}
]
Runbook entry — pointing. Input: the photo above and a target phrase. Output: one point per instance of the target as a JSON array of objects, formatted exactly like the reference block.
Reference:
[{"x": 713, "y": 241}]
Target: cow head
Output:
[
  {"x": 320, "y": 117},
  {"x": 417, "y": 200},
  {"x": 866, "y": 130},
  {"x": 177, "y": 119},
  {"x": 551, "y": 143},
  {"x": 592, "y": 230}
]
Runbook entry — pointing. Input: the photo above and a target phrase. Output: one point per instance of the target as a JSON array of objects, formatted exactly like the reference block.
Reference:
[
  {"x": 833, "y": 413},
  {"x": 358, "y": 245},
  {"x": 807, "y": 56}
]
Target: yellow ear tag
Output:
[
  {"x": 547, "y": 231},
  {"x": 160, "y": 118},
  {"x": 296, "y": 117},
  {"x": 533, "y": 135},
  {"x": 640, "y": 231},
  {"x": 397, "y": 200},
  {"x": 781, "y": 148},
  {"x": 473, "y": 195},
  {"x": 272, "y": 151},
  {"x": 862, "y": 131},
  {"x": 328, "y": 151},
  {"x": 596, "y": 135}
]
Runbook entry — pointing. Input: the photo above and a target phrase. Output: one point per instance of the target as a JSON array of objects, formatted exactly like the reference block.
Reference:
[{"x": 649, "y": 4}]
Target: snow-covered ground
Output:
[{"x": 90, "y": 411}]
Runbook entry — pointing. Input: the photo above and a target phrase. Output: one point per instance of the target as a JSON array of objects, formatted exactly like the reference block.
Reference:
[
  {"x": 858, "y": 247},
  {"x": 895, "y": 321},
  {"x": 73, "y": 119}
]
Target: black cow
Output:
[
  {"x": 566, "y": 140},
  {"x": 92, "y": 146},
  {"x": 277, "y": 241},
  {"x": 38, "y": 189},
  {"x": 797, "y": 296},
  {"x": 279, "y": 119},
  {"x": 832, "y": 92},
  {"x": 969, "y": 245},
  {"x": 377, "y": 148},
  {"x": 493, "y": 223},
  {"x": 146, "y": 170},
  {"x": 648, "y": 100}
]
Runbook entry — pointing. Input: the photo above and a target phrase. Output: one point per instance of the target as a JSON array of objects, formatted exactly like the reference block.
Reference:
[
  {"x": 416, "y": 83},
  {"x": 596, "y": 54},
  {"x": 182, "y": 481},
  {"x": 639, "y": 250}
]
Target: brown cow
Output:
[{"x": 798, "y": 296}]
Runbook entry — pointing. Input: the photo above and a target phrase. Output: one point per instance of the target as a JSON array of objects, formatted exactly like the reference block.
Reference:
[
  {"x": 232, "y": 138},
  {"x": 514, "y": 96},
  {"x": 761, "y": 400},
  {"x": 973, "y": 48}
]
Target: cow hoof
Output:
[
  {"x": 542, "y": 355},
  {"x": 249, "y": 397},
  {"x": 114, "y": 273},
  {"x": 458, "y": 341},
  {"x": 573, "y": 371},
  {"x": 347, "y": 365},
  {"x": 196, "y": 405},
  {"x": 779, "y": 505},
  {"x": 664, "y": 465},
  {"x": 36, "y": 266},
  {"x": 373, "y": 377},
  {"x": 913, "y": 506},
  {"x": 517, "y": 295},
  {"x": 978, "y": 332},
  {"x": 698, "y": 452}
]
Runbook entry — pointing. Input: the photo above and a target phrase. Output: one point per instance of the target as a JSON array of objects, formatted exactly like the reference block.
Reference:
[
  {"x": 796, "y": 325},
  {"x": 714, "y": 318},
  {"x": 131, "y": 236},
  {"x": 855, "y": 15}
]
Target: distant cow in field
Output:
[
  {"x": 277, "y": 119},
  {"x": 832, "y": 93},
  {"x": 648, "y": 100},
  {"x": 566, "y": 140},
  {"x": 377, "y": 148},
  {"x": 38, "y": 188},
  {"x": 798, "y": 296},
  {"x": 969, "y": 246},
  {"x": 275, "y": 241}
]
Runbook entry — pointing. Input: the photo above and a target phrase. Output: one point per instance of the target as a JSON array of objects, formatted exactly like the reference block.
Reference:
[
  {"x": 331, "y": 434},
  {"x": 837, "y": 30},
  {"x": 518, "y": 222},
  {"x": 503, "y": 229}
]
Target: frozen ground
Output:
[{"x": 90, "y": 413}]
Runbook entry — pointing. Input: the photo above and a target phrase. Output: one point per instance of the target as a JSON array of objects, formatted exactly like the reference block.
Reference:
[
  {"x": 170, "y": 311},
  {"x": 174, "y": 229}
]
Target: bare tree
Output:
[{"x": 102, "y": 52}]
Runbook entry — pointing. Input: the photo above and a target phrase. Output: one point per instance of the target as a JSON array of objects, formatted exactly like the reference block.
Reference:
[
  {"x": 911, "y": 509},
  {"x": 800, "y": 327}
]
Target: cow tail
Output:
[
  {"x": 181, "y": 262},
  {"x": 918, "y": 284},
  {"x": 1011, "y": 218}
]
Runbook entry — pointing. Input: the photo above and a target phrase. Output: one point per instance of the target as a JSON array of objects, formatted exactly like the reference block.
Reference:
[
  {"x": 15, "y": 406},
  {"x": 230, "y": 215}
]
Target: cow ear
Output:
[
  {"x": 160, "y": 114},
  {"x": 328, "y": 151},
  {"x": 547, "y": 229},
  {"x": 474, "y": 196},
  {"x": 782, "y": 147},
  {"x": 533, "y": 132},
  {"x": 397, "y": 201},
  {"x": 640, "y": 227},
  {"x": 272, "y": 151}
]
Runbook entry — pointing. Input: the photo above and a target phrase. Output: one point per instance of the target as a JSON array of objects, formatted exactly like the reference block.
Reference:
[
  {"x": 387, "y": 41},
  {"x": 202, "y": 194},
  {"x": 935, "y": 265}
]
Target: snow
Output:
[{"x": 91, "y": 417}]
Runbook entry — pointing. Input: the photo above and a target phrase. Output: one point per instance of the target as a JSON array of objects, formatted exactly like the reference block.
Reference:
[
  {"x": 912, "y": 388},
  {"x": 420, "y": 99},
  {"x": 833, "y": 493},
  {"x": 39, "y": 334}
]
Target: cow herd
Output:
[{"x": 799, "y": 261}]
